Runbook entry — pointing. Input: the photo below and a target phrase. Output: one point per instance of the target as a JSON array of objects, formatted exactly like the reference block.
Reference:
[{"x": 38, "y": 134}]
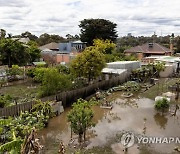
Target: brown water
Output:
[{"x": 128, "y": 115}]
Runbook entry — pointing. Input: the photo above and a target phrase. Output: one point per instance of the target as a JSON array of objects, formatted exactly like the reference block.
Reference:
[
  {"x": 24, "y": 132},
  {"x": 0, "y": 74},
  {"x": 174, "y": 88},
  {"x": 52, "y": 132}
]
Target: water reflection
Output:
[
  {"x": 135, "y": 114},
  {"x": 161, "y": 120}
]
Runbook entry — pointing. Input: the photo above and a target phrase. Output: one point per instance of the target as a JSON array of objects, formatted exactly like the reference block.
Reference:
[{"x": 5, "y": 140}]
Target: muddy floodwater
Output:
[{"x": 136, "y": 115}]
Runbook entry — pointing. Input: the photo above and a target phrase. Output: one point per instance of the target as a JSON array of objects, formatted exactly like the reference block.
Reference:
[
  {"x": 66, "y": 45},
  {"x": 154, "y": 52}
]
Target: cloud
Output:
[
  {"x": 139, "y": 17},
  {"x": 12, "y": 3}
]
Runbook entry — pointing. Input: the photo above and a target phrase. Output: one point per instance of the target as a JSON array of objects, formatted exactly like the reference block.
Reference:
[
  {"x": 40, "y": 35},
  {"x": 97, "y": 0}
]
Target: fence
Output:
[
  {"x": 16, "y": 109},
  {"x": 66, "y": 97}
]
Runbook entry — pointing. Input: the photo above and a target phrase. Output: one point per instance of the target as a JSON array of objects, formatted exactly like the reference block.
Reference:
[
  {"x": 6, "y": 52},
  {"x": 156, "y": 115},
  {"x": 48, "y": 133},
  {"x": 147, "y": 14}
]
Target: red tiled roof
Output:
[{"x": 156, "y": 48}]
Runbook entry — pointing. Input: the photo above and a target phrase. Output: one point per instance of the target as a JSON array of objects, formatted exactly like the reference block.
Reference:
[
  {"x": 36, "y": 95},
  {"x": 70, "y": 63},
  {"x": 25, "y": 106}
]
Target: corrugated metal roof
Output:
[
  {"x": 113, "y": 71},
  {"x": 39, "y": 63},
  {"x": 168, "y": 59},
  {"x": 123, "y": 62},
  {"x": 79, "y": 42}
]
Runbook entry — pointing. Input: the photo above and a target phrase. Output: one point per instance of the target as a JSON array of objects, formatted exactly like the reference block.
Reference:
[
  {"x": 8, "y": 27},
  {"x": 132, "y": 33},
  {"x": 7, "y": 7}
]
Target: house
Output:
[
  {"x": 51, "y": 46},
  {"x": 149, "y": 49},
  {"x": 76, "y": 46},
  {"x": 24, "y": 40},
  {"x": 61, "y": 53},
  {"x": 172, "y": 64}
]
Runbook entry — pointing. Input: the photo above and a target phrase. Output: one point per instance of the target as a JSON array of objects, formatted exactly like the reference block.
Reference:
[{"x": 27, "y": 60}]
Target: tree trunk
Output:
[
  {"x": 80, "y": 137},
  {"x": 84, "y": 135}
]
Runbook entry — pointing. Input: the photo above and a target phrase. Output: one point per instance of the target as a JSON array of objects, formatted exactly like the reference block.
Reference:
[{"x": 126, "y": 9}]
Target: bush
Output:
[
  {"x": 39, "y": 74},
  {"x": 63, "y": 69},
  {"x": 131, "y": 86},
  {"x": 54, "y": 82},
  {"x": 13, "y": 72},
  {"x": 162, "y": 104},
  {"x": 5, "y": 100},
  {"x": 30, "y": 72}
]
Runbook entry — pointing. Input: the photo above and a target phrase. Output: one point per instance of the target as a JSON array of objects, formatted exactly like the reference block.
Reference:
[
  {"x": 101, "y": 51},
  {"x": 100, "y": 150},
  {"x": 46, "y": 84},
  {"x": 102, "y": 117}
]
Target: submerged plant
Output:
[{"x": 162, "y": 104}]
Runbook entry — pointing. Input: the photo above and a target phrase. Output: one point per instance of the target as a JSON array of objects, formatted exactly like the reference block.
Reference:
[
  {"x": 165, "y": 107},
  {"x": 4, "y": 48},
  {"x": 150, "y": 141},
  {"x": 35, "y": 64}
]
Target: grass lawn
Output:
[
  {"x": 21, "y": 90},
  {"x": 159, "y": 88}
]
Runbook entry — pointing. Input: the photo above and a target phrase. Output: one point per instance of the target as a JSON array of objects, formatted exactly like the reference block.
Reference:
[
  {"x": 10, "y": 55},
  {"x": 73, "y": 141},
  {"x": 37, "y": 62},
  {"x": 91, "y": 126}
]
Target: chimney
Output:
[
  {"x": 171, "y": 43},
  {"x": 150, "y": 45}
]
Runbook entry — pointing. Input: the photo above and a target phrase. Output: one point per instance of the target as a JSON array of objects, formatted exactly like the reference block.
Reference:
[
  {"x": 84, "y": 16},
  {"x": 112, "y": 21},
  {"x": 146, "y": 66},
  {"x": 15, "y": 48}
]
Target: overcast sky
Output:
[{"x": 139, "y": 17}]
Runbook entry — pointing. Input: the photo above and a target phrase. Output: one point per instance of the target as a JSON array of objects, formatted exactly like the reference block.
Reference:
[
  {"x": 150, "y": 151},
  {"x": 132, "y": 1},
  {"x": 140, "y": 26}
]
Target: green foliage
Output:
[
  {"x": 178, "y": 45},
  {"x": 116, "y": 56},
  {"x": 14, "y": 130},
  {"x": 63, "y": 69},
  {"x": 5, "y": 100},
  {"x": 30, "y": 72},
  {"x": 15, "y": 70},
  {"x": 43, "y": 108},
  {"x": 29, "y": 35},
  {"x": 159, "y": 66},
  {"x": 2, "y": 33},
  {"x": 88, "y": 64},
  {"x": 54, "y": 82},
  {"x": 47, "y": 38},
  {"x": 105, "y": 46},
  {"x": 149, "y": 71},
  {"x": 13, "y": 146},
  {"x": 13, "y": 52},
  {"x": 111, "y": 58},
  {"x": 131, "y": 86},
  {"x": 97, "y": 28},
  {"x": 162, "y": 104},
  {"x": 39, "y": 73},
  {"x": 2, "y": 81},
  {"x": 81, "y": 117},
  {"x": 33, "y": 51}
]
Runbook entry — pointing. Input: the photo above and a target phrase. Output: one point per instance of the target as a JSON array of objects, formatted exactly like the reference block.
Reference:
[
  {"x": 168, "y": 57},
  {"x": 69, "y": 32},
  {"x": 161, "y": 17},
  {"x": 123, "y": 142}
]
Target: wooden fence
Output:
[
  {"x": 66, "y": 97},
  {"x": 16, "y": 109}
]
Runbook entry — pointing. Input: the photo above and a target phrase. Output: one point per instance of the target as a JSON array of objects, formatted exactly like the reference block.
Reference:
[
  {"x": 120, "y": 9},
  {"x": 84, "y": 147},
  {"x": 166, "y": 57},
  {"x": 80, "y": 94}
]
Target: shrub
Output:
[
  {"x": 5, "y": 100},
  {"x": 80, "y": 117},
  {"x": 39, "y": 74},
  {"x": 30, "y": 72},
  {"x": 13, "y": 72},
  {"x": 54, "y": 82},
  {"x": 162, "y": 104},
  {"x": 131, "y": 86},
  {"x": 63, "y": 69}
]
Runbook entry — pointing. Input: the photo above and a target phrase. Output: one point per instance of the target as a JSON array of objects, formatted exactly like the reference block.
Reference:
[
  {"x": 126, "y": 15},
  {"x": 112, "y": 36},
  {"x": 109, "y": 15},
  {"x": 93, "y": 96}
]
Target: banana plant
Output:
[{"x": 13, "y": 147}]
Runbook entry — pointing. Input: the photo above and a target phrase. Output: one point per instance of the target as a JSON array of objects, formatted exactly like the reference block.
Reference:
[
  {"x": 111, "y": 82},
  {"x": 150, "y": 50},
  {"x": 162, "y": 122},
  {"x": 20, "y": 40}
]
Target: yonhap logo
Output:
[{"x": 128, "y": 139}]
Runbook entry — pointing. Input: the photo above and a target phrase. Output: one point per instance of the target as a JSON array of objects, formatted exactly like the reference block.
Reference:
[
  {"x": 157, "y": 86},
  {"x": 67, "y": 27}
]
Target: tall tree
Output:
[
  {"x": 106, "y": 47},
  {"x": 70, "y": 37},
  {"x": 12, "y": 52},
  {"x": 47, "y": 38},
  {"x": 89, "y": 63},
  {"x": 2, "y": 33},
  {"x": 29, "y": 35},
  {"x": 97, "y": 28},
  {"x": 33, "y": 51},
  {"x": 178, "y": 45}
]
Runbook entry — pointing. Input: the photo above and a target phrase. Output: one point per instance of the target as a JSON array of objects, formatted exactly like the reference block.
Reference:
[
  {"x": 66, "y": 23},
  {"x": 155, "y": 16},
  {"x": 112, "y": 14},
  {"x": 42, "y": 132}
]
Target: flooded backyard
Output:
[{"x": 127, "y": 115}]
